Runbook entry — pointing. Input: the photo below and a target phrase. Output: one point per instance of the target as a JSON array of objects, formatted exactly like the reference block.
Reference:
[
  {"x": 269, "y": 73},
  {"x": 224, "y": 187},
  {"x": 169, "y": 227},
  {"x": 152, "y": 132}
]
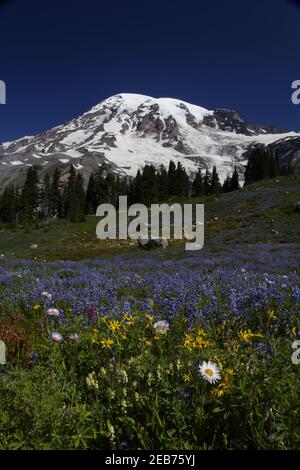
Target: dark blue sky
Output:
[{"x": 59, "y": 58}]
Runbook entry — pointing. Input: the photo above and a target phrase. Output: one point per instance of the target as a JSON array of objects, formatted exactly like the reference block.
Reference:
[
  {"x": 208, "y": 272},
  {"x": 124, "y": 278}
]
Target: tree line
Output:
[
  {"x": 262, "y": 164},
  {"x": 59, "y": 197}
]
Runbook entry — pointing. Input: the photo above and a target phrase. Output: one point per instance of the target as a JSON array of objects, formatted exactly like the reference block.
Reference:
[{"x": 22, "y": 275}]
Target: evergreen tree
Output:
[
  {"x": 172, "y": 179},
  {"x": 234, "y": 182},
  {"x": 226, "y": 188},
  {"x": 215, "y": 181},
  {"x": 198, "y": 185},
  {"x": 55, "y": 196},
  {"x": 150, "y": 185},
  {"x": 8, "y": 206},
  {"x": 207, "y": 183},
  {"x": 181, "y": 181},
  {"x": 45, "y": 198},
  {"x": 262, "y": 163},
  {"x": 91, "y": 202},
  {"x": 30, "y": 197},
  {"x": 110, "y": 189},
  {"x": 163, "y": 183},
  {"x": 77, "y": 198}
]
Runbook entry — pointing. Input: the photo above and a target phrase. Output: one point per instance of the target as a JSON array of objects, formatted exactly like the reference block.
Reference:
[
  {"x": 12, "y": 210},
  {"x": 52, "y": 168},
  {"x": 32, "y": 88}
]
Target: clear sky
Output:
[{"x": 60, "y": 57}]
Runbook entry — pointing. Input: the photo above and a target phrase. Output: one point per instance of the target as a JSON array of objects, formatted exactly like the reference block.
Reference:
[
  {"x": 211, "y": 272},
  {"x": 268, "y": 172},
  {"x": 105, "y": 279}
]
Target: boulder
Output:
[
  {"x": 297, "y": 206},
  {"x": 151, "y": 243}
]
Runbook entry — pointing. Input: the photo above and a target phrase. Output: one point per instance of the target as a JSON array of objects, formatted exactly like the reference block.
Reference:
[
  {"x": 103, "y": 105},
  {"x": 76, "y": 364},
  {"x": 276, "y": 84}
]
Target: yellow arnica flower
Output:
[
  {"x": 294, "y": 331},
  {"x": 114, "y": 325},
  {"x": 201, "y": 343},
  {"x": 187, "y": 377},
  {"x": 147, "y": 343},
  {"x": 271, "y": 315},
  {"x": 188, "y": 341},
  {"x": 36, "y": 307},
  {"x": 107, "y": 343},
  {"x": 247, "y": 335},
  {"x": 201, "y": 332},
  {"x": 149, "y": 319},
  {"x": 128, "y": 319},
  {"x": 220, "y": 390}
]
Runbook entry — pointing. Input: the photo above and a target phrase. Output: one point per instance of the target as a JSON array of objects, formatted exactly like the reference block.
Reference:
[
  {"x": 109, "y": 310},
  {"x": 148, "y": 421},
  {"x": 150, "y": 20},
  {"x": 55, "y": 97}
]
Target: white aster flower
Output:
[
  {"x": 74, "y": 337},
  {"x": 47, "y": 295},
  {"x": 161, "y": 326},
  {"x": 53, "y": 312},
  {"x": 57, "y": 337},
  {"x": 210, "y": 372}
]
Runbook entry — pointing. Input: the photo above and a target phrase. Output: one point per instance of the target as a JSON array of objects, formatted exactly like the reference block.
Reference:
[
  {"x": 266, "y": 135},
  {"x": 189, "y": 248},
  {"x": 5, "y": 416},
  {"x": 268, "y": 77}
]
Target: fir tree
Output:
[
  {"x": 30, "y": 197},
  {"x": 9, "y": 206},
  {"x": 207, "y": 183},
  {"x": 198, "y": 185},
  {"x": 234, "y": 182},
  {"x": 226, "y": 188},
  {"x": 172, "y": 179},
  {"x": 91, "y": 202},
  {"x": 56, "y": 209},
  {"x": 163, "y": 183},
  {"x": 45, "y": 198},
  {"x": 150, "y": 185},
  {"x": 181, "y": 181},
  {"x": 215, "y": 182},
  {"x": 77, "y": 199}
]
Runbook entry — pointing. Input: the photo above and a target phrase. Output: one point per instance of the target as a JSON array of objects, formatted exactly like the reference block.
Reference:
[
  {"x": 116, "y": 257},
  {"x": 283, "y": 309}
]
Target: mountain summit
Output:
[{"x": 127, "y": 131}]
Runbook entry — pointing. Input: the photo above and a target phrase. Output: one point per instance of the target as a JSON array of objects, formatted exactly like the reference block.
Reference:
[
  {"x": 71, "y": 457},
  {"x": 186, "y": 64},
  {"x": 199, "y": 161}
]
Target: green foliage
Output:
[
  {"x": 261, "y": 164},
  {"x": 122, "y": 385}
]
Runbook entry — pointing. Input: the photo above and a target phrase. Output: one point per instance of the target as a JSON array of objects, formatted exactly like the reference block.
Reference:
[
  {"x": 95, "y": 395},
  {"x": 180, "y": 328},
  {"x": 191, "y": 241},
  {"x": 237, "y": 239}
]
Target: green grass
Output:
[{"x": 262, "y": 212}]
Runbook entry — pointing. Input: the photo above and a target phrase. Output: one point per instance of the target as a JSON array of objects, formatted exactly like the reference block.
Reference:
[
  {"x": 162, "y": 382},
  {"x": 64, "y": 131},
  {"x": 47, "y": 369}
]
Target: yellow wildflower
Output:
[
  {"x": 271, "y": 315},
  {"x": 36, "y": 307},
  {"x": 188, "y": 341},
  {"x": 128, "y": 319},
  {"x": 294, "y": 331},
  {"x": 187, "y": 378},
  {"x": 149, "y": 319},
  {"x": 107, "y": 343},
  {"x": 247, "y": 335},
  {"x": 201, "y": 343},
  {"x": 114, "y": 325}
]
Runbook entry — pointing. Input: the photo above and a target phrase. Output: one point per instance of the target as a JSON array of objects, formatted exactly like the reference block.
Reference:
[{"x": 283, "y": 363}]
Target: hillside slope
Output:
[{"x": 259, "y": 214}]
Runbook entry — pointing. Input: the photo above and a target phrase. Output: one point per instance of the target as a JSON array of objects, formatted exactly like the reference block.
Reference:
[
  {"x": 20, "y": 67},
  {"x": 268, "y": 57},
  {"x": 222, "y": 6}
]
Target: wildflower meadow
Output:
[{"x": 171, "y": 350}]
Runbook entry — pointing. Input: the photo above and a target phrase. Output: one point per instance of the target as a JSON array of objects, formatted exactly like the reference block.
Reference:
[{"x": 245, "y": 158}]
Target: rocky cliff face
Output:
[{"x": 127, "y": 131}]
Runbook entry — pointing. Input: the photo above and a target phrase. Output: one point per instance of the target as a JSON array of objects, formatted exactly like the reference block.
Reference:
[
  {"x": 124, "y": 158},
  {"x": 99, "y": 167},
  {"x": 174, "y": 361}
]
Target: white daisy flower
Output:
[
  {"x": 47, "y": 295},
  {"x": 210, "y": 372},
  {"x": 57, "y": 337},
  {"x": 53, "y": 312},
  {"x": 161, "y": 326},
  {"x": 74, "y": 337}
]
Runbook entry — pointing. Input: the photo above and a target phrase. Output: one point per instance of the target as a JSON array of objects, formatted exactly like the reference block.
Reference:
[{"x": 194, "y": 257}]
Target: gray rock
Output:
[
  {"x": 297, "y": 206},
  {"x": 152, "y": 243}
]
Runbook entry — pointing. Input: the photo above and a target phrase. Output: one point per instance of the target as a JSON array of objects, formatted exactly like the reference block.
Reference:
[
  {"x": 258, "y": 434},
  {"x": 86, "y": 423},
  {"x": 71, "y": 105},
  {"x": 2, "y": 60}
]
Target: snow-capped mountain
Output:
[{"x": 127, "y": 131}]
